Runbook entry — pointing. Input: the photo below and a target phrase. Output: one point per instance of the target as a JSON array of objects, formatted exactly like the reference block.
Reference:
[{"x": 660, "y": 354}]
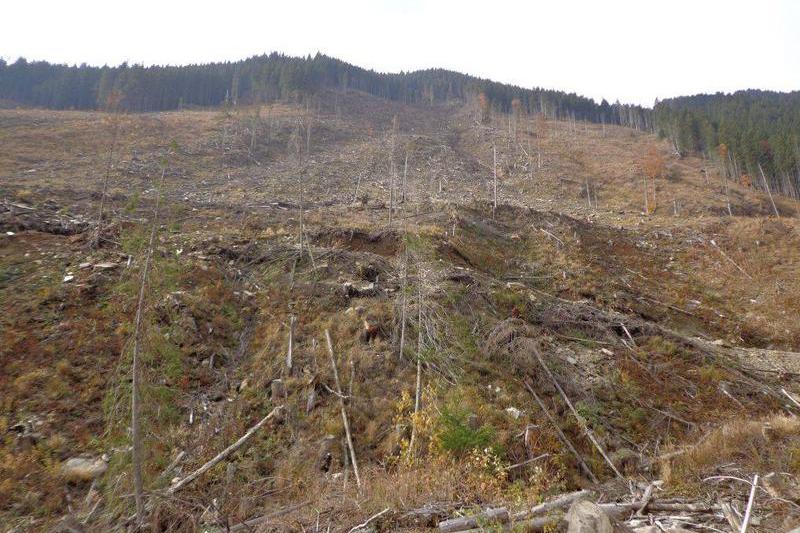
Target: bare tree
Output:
[
  {"x": 418, "y": 392},
  {"x": 295, "y": 146},
  {"x": 136, "y": 432},
  {"x": 392, "y": 169},
  {"x": 254, "y": 128},
  {"x": 345, "y": 420},
  {"x": 112, "y": 105},
  {"x": 403, "y": 283},
  {"x": 494, "y": 171},
  {"x": 405, "y": 172},
  {"x": 769, "y": 192}
]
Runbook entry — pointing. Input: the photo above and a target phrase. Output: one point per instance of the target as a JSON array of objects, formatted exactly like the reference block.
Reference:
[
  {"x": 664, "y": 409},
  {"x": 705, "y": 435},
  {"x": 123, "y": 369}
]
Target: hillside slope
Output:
[{"x": 458, "y": 327}]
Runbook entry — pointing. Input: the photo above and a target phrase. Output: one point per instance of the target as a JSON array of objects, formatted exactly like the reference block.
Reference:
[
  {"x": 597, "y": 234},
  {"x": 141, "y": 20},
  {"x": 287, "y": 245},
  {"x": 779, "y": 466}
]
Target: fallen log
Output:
[
  {"x": 534, "y": 525},
  {"x": 559, "y": 502},
  {"x": 541, "y": 516},
  {"x": 464, "y": 523},
  {"x": 428, "y": 516}
]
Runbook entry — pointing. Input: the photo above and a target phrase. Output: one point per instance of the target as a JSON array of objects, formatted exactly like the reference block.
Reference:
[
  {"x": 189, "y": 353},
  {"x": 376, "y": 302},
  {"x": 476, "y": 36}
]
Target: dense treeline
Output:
[
  {"x": 745, "y": 132},
  {"x": 278, "y": 77}
]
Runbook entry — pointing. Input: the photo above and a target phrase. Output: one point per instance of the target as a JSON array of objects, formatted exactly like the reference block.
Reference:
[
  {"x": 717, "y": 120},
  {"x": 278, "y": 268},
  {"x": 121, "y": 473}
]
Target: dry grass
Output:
[
  {"x": 228, "y": 255},
  {"x": 768, "y": 444}
]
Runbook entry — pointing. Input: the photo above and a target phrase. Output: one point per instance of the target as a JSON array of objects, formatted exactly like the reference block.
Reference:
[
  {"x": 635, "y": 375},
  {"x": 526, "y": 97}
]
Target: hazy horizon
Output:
[{"x": 619, "y": 50}]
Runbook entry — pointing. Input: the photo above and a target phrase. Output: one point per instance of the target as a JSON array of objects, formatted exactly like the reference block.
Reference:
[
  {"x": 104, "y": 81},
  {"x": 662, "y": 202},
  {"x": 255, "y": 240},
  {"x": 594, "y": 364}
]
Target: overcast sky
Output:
[{"x": 633, "y": 51}]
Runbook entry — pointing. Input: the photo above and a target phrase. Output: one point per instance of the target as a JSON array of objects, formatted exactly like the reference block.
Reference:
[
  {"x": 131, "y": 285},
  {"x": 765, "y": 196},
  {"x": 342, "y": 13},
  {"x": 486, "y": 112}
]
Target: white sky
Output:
[{"x": 629, "y": 50}]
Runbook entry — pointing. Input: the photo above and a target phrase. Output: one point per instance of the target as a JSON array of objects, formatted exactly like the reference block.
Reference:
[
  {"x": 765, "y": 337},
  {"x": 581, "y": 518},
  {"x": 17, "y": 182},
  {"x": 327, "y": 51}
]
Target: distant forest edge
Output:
[
  {"x": 744, "y": 133},
  {"x": 268, "y": 78}
]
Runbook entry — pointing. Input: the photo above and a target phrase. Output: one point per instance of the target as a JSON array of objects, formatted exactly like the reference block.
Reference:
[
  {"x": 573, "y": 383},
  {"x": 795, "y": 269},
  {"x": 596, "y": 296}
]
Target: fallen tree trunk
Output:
[
  {"x": 542, "y": 516},
  {"x": 464, "y": 523},
  {"x": 559, "y": 502}
]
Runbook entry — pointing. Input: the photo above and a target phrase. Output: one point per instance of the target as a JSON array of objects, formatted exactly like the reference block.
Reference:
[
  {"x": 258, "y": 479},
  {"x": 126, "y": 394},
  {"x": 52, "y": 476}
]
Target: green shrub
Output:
[{"x": 456, "y": 436}]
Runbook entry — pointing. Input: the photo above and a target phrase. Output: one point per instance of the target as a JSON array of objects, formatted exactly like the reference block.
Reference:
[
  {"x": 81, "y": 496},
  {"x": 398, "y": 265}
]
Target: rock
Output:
[
  {"x": 69, "y": 277},
  {"x": 26, "y": 441},
  {"x": 587, "y": 517},
  {"x": 83, "y": 468},
  {"x": 106, "y": 266},
  {"x": 27, "y": 436},
  {"x": 514, "y": 413}
]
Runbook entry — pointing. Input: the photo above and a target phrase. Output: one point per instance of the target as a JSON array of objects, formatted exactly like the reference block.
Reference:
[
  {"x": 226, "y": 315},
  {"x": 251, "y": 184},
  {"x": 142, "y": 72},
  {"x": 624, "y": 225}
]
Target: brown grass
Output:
[{"x": 768, "y": 444}]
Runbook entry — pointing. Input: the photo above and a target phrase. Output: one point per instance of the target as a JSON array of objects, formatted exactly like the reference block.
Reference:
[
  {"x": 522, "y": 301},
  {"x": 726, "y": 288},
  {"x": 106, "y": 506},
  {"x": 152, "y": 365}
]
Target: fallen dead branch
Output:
[
  {"x": 749, "y": 509},
  {"x": 369, "y": 520},
  {"x": 578, "y": 417},
  {"x": 740, "y": 269},
  {"x": 523, "y": 463},
  {"x": 178, "y": 485},
  {"x": 248, "y": 525},
  {"x": 561, "y": 435}
]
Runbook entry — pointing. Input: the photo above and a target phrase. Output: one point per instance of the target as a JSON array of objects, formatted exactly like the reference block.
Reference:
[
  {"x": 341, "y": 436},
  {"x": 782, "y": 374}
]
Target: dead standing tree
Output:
[
  {"x": 724, "y": 158},
  {"x": 418, "y": 390},
  {"x": 345, "y": 420},
  {"x": 405, "y": 173},
  {"x": 653, "y": 167},
  {"x": 430, "y": 353},
  {"x": 392, "y": 169},
  {"x": 112, "y": 105},
  {"x": 136, "y": 433},
  {"x": 494, "y": 173},
  {"x": 769, "y": 191},
  {"x": 541, "y": 133},
  {"x": 296, "y": 149}
]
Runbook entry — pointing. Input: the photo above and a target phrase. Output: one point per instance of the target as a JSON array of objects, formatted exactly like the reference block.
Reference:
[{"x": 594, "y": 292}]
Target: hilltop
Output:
[{"x": 520, "y": 305}]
